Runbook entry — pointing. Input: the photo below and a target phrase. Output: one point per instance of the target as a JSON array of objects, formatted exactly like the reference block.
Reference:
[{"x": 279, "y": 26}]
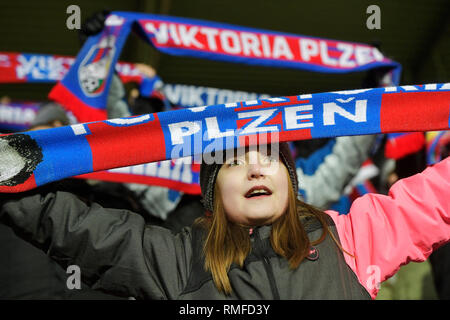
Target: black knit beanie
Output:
[{"x": 208, "y": 175}]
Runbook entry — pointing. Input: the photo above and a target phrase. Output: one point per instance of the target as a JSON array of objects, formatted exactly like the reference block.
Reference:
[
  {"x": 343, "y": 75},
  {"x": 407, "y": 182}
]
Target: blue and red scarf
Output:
[
  {"x": 178, "y": 174},
  {"x": 37, "y": 68},
  {"x": 35, "y": 158},
  {"x": 22, "y": 67},
  {"x": 84, "y": 89}
]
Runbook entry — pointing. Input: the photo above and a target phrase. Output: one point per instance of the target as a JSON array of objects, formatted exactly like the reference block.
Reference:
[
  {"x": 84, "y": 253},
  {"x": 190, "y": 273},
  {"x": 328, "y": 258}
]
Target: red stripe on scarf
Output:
[
  {"x": 116, "y": 146},
  {"x": 29, "y": 184},
  {"x": 405, "y": 110},
  {"x": 82, "y": 111}
]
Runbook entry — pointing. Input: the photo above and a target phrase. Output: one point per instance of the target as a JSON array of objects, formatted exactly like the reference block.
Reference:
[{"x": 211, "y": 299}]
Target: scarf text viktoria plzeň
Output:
[{"x": 84, "y": 89}]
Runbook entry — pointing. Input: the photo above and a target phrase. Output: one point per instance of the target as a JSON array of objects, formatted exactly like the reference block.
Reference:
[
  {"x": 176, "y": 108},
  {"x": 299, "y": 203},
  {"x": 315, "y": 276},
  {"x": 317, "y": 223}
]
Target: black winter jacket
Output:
[{"x": 119, "y": 253}]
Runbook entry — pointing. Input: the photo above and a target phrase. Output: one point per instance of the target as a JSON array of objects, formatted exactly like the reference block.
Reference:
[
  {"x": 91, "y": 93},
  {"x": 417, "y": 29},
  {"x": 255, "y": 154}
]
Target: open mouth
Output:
[{"x": 258, "y": 192}]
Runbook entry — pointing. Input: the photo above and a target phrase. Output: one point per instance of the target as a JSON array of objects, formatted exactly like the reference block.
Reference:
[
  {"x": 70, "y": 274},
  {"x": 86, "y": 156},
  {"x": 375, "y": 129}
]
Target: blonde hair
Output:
[{"x": 227, "y": 242}]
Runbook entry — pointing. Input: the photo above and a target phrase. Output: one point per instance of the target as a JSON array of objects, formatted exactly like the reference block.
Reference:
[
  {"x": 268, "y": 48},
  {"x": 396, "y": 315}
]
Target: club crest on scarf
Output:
[{"x": 96, "y": 66}]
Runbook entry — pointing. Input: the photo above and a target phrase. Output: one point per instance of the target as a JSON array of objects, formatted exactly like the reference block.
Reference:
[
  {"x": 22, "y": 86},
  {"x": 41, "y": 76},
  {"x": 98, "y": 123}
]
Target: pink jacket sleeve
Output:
[{"x": 385, "y": 232}]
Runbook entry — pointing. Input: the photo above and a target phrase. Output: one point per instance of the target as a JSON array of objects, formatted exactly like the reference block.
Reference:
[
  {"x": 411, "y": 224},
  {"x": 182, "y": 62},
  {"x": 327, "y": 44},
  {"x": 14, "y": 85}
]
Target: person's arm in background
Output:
[
  {"x": 116, "y": 106},
  {"x": 385, "y": 232},
  {"x": 115, "y": 250},
  {"x": 327, "y": 171}
]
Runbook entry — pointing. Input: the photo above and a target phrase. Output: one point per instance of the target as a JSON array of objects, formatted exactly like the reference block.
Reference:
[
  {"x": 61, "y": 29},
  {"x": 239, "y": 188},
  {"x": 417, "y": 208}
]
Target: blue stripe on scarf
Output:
[{"x": 59, "y": 158}]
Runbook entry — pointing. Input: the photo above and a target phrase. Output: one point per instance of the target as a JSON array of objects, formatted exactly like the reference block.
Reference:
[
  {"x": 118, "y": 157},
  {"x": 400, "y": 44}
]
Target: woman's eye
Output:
[
  {"x": 234, "y": 163},
  {"x": 270, "y": 159}
]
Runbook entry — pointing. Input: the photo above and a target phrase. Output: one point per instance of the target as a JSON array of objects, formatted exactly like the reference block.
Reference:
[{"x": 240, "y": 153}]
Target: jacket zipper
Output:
[
  {"x": 269, "y": 270},
  {"x": 273, "y": 285}
]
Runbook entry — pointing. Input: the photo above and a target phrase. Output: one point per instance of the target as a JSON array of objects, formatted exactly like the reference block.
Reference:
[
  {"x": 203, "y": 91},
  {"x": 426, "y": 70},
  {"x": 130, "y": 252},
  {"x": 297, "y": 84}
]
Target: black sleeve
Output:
[{"x": 116, "y": 250}]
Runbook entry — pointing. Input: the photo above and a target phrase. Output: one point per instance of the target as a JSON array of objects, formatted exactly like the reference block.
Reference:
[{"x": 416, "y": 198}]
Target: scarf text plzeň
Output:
[{"x": 35, "y": 158}]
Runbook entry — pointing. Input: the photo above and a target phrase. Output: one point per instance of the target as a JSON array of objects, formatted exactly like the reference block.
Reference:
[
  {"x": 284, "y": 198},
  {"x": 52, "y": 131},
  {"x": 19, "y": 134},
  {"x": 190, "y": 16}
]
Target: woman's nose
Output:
[{"x": 255, "y": 168}]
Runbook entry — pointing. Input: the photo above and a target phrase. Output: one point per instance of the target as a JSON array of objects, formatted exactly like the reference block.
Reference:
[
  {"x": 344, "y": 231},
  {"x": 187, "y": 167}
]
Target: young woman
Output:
[{"x": 256, "y": 241}]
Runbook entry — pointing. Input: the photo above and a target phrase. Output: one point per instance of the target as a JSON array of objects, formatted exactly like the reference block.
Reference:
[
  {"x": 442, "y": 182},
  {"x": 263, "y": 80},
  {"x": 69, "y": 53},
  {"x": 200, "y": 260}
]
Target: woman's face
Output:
[{"x": 254, "y": 188}]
